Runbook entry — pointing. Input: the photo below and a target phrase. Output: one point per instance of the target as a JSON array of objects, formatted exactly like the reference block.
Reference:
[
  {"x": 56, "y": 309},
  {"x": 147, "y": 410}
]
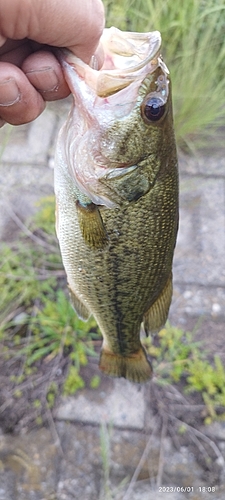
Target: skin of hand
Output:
[{"x": 30, "y": 74}]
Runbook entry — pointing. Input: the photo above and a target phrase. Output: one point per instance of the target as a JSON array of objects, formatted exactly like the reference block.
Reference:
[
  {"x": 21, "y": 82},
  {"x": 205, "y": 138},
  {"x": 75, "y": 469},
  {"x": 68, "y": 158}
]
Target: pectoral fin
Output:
[
  {"x": 78, "y": 306},
  {"x": 91, "y": 225},
  {"x": 156, "y": 316}
]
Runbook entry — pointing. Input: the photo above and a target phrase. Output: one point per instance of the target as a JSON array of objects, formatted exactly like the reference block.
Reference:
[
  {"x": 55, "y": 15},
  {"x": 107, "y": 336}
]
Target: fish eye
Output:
[{"x": 153, "y": 109}]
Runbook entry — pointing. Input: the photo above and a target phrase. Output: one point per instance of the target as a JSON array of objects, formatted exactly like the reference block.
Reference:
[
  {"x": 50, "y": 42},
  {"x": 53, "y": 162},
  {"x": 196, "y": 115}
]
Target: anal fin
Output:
[
  {"x": 81, "y": 310},
  {"x": 156, "y": 316},
  {"x": 91, "y": 225}
]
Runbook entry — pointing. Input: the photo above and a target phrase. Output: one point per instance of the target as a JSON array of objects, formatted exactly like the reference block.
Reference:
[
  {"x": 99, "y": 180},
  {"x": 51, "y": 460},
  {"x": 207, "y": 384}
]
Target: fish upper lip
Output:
[
  {"x": 144, "y": 52},
  {"x": 128, "y": 57}
]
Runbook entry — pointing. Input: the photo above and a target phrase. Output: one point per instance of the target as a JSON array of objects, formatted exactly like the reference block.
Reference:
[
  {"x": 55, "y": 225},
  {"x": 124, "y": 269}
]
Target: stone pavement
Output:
[{"x": 66, "y": 459}]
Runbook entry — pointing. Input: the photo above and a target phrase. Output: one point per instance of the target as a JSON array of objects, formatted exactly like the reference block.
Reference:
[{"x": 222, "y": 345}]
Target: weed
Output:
[
  {"x": 51, "y": 394},
  {"x": 174, "y": 352},
  {"x": 177, "y": 357},
  {"x": 73, "y": 381},
  {"x": 44, "y": 219},
  {"x": 107, "y": 491},
  {"x": 105, "y": 437},
  {"x": 37, "y": 322},
  {"x": 36, "y": 403},
  {"x": 56, "y": 328},
  {"x": 95, "y": 382},
  {"x": 210, "y": 381}
]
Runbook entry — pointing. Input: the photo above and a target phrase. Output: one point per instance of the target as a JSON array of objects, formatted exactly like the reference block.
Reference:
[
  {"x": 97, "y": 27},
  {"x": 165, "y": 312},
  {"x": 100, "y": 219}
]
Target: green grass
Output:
[
  {"x": 178, "y": 358},
  {"x": 37, "y": 321},
  {"x": 194, "y": 50},
  {"x": 108, "y": 492}
]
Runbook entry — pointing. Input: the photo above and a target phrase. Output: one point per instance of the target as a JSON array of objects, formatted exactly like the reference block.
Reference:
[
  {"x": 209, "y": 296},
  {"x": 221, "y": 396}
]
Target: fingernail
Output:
[
  {"x": 9, "y": 92},
  {"x": 94, "y": 62},
  {"x": 44, "y": 80}
]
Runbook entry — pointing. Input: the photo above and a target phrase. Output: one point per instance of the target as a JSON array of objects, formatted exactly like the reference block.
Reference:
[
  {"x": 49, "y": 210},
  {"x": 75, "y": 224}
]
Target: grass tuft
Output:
[
  {"x": 178, "y": 359},
  {"x": 37, "y": 321}
]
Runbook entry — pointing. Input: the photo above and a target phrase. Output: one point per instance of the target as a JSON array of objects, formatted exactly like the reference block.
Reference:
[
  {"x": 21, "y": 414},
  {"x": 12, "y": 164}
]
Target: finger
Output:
[
  {"x": 45, "y": 73},
  {"x": 88, "y": 33},
  {"x": 15, "y": 51},
  {"x": 100, "y": 56},
  {"x": 76, "y": 25},
  {"x": 19, "y": 101}
]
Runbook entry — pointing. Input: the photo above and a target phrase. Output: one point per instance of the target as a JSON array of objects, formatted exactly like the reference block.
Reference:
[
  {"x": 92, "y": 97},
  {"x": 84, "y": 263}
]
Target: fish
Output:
[{"x": 116, "y": 189}]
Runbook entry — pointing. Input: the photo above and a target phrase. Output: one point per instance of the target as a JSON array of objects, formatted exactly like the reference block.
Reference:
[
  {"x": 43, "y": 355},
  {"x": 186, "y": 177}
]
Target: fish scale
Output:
[{"x": 118, "y": 259}]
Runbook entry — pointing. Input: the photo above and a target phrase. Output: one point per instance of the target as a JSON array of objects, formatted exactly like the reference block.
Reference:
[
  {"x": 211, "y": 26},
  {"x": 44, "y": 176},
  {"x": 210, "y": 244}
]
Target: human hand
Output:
[{"x": 30, "y": 74}]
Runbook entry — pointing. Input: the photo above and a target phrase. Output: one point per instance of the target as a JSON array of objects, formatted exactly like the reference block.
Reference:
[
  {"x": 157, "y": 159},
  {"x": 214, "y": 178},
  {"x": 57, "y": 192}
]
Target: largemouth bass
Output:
[{"x": 116, "y": 187}]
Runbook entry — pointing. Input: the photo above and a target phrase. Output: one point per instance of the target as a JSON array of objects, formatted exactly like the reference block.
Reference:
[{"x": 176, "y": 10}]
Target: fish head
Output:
[{"x": 120, "y": 117}]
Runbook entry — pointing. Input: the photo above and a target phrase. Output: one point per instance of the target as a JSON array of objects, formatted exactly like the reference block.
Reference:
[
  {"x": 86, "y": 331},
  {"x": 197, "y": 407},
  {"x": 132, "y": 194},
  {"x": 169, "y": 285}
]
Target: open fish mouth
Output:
[
  {"x": 103, "y": 99},
  {"x": 129, "y": 57}
]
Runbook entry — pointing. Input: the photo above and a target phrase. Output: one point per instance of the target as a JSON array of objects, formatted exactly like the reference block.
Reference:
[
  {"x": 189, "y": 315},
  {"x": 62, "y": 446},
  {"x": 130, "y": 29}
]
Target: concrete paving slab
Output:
[
  {"x": 28, "y": 466},
  {"x": 21, "y": 188},
  {"x": 200, "y": 251},
  {"x": 211, "y": 165},
  {"x": 28, "y": 144},
  {"x": 197, "y": 301},
  {"x": 26, "y": 165},
  {"x": 34, "y": 467},
  {"x": 123, "y": 406}
]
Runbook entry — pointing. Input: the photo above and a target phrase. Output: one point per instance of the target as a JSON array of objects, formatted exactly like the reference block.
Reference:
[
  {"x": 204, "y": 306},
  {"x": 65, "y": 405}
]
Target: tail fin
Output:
[{"x": 135, "y": 367}]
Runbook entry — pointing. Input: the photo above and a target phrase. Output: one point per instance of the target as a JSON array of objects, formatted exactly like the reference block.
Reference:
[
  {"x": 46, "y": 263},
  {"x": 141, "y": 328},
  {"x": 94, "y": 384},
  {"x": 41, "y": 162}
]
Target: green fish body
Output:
[{"x": 116, "y": 186}]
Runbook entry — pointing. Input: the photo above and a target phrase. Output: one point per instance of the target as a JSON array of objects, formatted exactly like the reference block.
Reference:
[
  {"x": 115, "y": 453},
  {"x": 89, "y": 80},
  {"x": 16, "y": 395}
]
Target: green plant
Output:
[
  {"x": 51, "y": 394},
  {"x": 95, "y": 382},
  {"x": 105, "y": 436},
  {"x": 22, "y": 281},
  {"x": 194, "y": 50},
  {"x": 210, "y": 381},
  {"x": 177, "y": 357},
  {"x": 55, "y": 328},
  {"x": 44, "y": 218},
  {"x": 107, "y": 491},
  {"x": 173, "y": 353},
  {"x": 27, "y": 274},
  {"x": 37, "y": 322},
  {"x": 73, "y": 381}
]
